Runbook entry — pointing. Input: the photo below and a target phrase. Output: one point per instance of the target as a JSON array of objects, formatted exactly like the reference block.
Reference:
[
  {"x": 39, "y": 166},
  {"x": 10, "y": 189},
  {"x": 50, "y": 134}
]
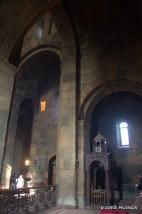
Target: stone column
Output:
[
  {"x": 9, "y": 146},
  {"x": 66, "y": 148},
  {"x": 7, "y": 76},
  {"x": 83, "y": 139}
]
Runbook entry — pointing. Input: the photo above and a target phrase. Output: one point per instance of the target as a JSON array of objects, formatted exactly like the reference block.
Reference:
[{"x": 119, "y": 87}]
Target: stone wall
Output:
[
  {"x": 44, "y": 136},
  {"x": 7, "y": 75},
  {"x": 100, "y": 65},
  {"x": 103, "y": 45}
]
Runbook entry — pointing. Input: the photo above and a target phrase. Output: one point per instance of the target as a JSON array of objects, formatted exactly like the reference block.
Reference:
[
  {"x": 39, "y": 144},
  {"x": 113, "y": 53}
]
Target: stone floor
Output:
[
  {"x": 70, "y": 211},
  {"x": 58, "y": 210}
]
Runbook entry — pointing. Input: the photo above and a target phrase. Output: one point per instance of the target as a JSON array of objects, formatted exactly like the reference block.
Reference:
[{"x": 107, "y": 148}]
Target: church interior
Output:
[{"x": 71, "y": 102}]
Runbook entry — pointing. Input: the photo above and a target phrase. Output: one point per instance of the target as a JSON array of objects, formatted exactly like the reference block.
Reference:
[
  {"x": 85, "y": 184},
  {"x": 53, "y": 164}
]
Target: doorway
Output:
[{"x": 52, "y": 171}]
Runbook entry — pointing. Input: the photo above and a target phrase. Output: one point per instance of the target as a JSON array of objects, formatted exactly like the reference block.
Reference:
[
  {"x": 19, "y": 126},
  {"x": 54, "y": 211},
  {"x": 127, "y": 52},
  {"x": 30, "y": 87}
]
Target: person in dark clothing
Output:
[
  {"x": 112, "y": 174},
  {"x": 13, "y": 181},
  {"x": 140, "y": 183},
  {"x": 119, "y": 182},
  {"x": 116, "y": 178}
]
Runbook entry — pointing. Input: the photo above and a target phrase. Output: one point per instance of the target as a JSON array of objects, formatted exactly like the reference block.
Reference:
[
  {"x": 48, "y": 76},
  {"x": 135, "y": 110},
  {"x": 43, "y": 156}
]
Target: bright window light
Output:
[
  {"x": 43, "y": 105},
  {"x": 27, "y": 162},
  {"x": 124, "y": 134}
]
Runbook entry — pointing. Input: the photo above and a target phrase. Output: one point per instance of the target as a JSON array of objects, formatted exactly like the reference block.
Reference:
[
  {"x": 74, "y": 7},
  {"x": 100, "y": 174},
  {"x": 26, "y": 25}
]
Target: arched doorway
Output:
[
  {"x": 97, "y": 178},
  {"x": 52, "y": 171},
  {"x": 97, "y": 175}
]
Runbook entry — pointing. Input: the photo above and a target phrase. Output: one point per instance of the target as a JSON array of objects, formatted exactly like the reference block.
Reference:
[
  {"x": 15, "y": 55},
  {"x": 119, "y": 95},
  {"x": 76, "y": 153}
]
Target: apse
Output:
[{"x": 118, "y": 117}]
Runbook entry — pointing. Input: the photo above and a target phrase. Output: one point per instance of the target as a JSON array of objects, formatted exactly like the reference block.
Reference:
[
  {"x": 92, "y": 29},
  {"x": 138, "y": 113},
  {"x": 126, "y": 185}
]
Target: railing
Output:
[
  {"x": 27, "y": 199},
  {"x": 99, "y": 197}
]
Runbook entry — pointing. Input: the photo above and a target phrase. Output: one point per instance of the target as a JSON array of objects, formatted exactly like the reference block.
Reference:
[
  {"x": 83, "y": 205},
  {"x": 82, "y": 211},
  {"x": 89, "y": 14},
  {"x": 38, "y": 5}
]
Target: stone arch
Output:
[
  {"x": 22, "y": 100},
  {"x": 34, "y": 52},
  {"x": 44, "y": 48},
  {"x": 86, "y": 110},
  {"x": 20, "y": 97},
  {"x": 62, "y": 22},
  {"x": 27, "y": 100},
  {"x": 49, "y": 51},
  {"x": 51, "y": 156},
  {"x": 51, "y": 54},
  {"x": 97, "y": 94},
  {"x": 27, "y": 12},
  {"x": 68, "y": 75}
]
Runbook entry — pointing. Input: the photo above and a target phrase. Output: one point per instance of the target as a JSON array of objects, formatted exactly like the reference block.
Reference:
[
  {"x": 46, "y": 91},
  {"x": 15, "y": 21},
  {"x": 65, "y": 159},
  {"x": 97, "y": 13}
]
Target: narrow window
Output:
[
  {"x": 43, "y": 105},
  {"x": 123, "y": 135}
]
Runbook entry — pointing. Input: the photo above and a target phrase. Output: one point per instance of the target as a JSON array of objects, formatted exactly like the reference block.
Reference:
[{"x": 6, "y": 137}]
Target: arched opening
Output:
[
  {"x": 39, "y": 79},
  {"x": 52, "y": 171},
  {"x": 123, "y": 134},
  {"x": 97, "y": 175},
  {"x": 23, "y": 137},
  {"x": 119, "y": 110},
  {"x": 30, "y": 82},
  {"x": 43, "y": 70},
  {"x": 97, "y": 178}
]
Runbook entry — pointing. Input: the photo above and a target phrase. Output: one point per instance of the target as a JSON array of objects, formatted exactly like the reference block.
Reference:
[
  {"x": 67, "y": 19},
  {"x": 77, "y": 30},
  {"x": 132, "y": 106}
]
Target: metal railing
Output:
[
  {"x": 99, "y": 197},
  {"x": 27, "y": 199}
]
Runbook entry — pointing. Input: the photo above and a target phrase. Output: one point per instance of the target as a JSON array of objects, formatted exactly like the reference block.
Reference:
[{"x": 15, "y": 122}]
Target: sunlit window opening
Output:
[
  {"x": 39, "y": 33},
  {"x": 43, "y": 105},
  {"x": 124, "y": 134}
]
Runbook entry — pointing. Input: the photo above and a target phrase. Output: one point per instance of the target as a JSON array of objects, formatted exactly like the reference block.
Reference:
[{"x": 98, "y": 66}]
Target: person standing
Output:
[
  {"x": 13, "y": 181},
  {"x": 20, "y": 182},
  {"x": 140, "y": 183}
]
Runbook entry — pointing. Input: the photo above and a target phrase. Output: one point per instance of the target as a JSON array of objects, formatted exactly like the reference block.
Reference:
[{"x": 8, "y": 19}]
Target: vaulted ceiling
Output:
[
  {"x": 119, "y": 18},
  {"x": 16, "y": 17}
]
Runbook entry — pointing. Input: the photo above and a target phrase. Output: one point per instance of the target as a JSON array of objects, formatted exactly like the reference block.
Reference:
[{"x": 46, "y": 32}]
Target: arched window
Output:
[
  {"x": 123, "y": 134},
  {"x": 43, "y": 105}
]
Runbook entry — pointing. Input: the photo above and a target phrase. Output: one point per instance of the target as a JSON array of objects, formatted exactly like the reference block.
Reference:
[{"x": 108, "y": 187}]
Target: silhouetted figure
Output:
[
  {"x": 112, "y": 178},
  {"x": 140, "y": 183},
  {"x": 115, "y": 178},
  {"x": 13, "y": 181},
  {"x": 20, "y": 182},
  {"x": 119, "y": 182}
]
